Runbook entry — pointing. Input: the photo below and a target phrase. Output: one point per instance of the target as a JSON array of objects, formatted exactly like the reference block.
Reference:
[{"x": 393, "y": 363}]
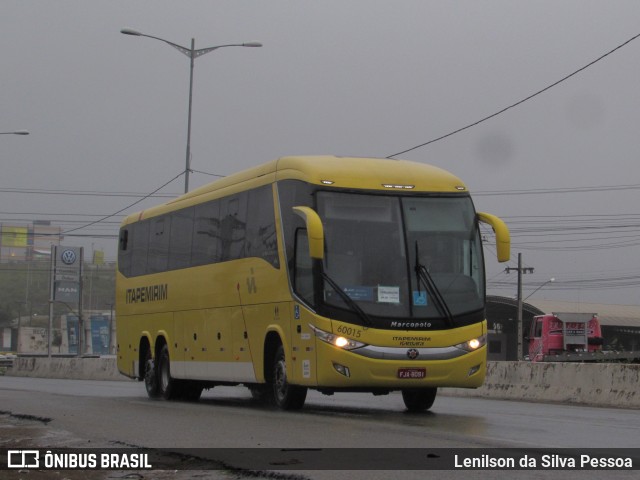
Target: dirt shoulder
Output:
[{"x": 26, "y": 432}]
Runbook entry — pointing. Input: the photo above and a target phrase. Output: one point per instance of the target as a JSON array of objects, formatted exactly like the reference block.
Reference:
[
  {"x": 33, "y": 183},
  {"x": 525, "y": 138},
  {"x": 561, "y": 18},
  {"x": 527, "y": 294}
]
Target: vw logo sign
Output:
[
  {"x": 412, "y": 353},
  {"x": 68, "y": 257}
]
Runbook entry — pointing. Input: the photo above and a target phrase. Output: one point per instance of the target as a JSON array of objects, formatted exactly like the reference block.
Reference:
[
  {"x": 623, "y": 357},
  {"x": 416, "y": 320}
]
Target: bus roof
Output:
[
  {"x": 338, "y": 172},
  {"x": 368, "y": 173}
]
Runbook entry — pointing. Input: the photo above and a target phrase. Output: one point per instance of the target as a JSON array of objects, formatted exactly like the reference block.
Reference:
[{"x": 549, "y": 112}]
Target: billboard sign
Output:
[
  {"x": 66, "y": 273},
  {"x": 14, "y": 236},
  {"x": 100, "y": 334}
]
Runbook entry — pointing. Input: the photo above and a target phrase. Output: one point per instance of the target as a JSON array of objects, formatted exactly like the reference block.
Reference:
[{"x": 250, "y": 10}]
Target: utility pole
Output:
[{"x": 520, "y": 269}]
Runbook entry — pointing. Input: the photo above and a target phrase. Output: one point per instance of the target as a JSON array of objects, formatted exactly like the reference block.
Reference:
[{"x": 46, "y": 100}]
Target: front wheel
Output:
[
  {"x": 419, "y": 400},
  {"x": 285, "y": 395}
]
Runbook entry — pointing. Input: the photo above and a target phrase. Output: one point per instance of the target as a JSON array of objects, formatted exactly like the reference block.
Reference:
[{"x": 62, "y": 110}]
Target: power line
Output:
[
  {"x": 61, "y": 214},
  {"x": 546, "y": 191},
  {"x": 519, "y": 102},
  {"x": 596, "y": 283},
  {"x": 42, "y": 191},
  {"x": 103, "y": 218},
  {"x": 123, "y": 209},
  {"x": 209, "y": 174}
]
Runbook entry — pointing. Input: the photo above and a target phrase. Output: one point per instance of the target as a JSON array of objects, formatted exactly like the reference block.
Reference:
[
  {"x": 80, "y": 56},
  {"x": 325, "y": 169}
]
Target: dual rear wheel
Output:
[{"x": 159, "y": 383}]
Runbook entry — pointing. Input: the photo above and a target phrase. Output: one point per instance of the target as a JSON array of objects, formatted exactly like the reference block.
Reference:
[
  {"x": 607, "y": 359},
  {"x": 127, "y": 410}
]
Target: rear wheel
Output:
[
  {"x": 168, "y": 387},
  {"x": 419, "y": 400},
  {"x": 285, "y": 395},
  {"x": 150, "y": 377}
]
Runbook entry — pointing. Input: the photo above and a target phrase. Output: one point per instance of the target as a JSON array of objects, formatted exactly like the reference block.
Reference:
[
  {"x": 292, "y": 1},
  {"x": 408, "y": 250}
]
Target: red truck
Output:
[{"x": 571, "y": 337}]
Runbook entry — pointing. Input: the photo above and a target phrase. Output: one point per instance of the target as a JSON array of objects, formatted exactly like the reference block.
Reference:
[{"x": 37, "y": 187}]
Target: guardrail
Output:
[{"x": 598, "y": 384}]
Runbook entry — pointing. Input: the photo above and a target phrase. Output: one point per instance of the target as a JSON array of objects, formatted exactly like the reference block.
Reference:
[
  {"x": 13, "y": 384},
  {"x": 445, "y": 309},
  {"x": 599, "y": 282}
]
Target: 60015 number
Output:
[{"x": 349, "y": 331}]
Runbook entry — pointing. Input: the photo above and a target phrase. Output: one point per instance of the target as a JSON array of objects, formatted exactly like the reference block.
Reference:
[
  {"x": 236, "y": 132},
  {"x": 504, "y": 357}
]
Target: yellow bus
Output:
[{"x": 330, "y": 273}]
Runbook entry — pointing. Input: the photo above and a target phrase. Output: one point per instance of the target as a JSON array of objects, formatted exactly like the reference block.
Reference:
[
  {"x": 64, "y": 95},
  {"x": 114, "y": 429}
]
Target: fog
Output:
[{"x": 107, "y": 113}]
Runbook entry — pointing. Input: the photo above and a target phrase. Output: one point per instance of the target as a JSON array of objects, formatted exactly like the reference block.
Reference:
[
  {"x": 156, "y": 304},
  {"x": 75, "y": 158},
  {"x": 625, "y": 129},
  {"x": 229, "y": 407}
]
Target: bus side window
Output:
[
  {"x": 124, "y": 253},
  {"x": 180, "y": 238},
  {"x": 124, "y": 239},
  {"x": 158, "y": 256},
  {"x": 261, "y": 239},
  {"x": 206, "y": 234},
  {"x": 140, "y": 248},
  {"x": 233, "y": 226}
]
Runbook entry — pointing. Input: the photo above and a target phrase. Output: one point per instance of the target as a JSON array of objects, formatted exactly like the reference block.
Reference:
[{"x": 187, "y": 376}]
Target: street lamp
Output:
[
  {"x": 192, "y": 53},
  {"x": 551, "y": 280},
  {"x": 17, "y": 132}
]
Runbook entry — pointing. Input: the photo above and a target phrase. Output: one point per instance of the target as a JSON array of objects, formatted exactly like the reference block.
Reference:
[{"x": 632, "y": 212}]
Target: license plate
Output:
[{"x": 412, "y": 373}]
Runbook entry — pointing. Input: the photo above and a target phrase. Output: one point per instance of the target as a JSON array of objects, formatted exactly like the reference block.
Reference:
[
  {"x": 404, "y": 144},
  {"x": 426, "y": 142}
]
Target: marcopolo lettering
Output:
[
  {"x": 151, "y": 293},
  {"x": 396, "y": 324}
]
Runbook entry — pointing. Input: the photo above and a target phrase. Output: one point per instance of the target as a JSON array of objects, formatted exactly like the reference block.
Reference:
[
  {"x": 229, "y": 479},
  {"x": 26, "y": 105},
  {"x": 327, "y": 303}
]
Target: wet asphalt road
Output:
[{"x": 116, "y": 414}]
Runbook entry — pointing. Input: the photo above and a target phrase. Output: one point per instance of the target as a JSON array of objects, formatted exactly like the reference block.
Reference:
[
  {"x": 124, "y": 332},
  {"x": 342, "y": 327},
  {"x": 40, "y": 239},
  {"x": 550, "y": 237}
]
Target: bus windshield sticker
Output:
[
  {"x": 420, "y": 298},
  {"x": 359, "y": 294},
  {"x": 388, "y": 294}
]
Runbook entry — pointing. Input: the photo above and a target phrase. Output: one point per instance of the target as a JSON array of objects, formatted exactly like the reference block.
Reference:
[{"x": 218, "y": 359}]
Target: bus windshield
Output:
[{"x": 375, "y": 246}]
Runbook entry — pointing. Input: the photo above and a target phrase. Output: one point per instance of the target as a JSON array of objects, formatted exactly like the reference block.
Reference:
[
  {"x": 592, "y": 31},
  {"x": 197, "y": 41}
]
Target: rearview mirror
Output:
[
  {"x": 315, "y": 231},
  {"x": 503, "y": 238}
]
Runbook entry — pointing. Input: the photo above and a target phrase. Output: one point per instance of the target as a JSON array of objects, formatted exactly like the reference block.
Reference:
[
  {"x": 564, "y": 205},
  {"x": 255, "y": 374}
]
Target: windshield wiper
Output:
[
  {"x": 423, "y": 276},
  {"x": 366, "y": 320}
]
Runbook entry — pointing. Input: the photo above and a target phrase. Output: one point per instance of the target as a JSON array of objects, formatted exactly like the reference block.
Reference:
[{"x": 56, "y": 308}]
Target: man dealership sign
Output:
[{"x": 67, "y": 273}]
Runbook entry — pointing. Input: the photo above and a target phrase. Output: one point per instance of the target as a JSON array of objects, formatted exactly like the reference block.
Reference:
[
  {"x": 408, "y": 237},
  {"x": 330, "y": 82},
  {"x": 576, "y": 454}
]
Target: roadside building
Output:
[
  {"x": 27, "y": 241},
  {"x": 620, "y": 323}
]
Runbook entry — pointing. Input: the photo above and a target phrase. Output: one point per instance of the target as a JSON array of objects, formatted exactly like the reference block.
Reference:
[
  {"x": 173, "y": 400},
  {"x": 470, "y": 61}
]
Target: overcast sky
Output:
[{"x": 108, "y": 112}]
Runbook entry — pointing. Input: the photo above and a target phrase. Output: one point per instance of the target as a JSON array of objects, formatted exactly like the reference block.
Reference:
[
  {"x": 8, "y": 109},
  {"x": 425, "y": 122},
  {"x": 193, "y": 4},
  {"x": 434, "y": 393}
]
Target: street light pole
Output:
[
  {"x": 551, "y": 280},
  {"x": 192, "y": 53},
  {"x": 520, "y": 269},
  {"x": 187, "y": 169},
  {"x": 15, "y": 132}
]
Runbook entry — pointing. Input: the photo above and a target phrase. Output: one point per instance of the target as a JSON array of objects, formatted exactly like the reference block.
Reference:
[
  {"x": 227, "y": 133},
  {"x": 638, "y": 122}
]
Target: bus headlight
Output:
[
  {"x": 473, "y": 344},
  {"x": 337, "y": 340}
]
